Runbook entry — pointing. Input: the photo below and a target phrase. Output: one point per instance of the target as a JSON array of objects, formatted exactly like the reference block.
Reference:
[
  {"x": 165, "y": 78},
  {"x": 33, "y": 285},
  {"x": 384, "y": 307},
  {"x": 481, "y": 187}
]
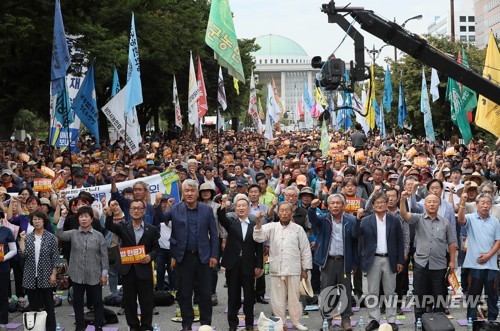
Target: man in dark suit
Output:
[
  {"x": 242, "y": 258},
  {"x": 194, "y": 243},
  {"x": 382, "y": 256},
  {"x": 137, "y": 278}
]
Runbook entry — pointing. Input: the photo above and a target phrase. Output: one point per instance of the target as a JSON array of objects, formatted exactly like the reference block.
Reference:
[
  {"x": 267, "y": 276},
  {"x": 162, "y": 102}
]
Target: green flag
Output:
[
  {"x": 458, "y": 111},
  {"x": 221, "y": 37},
  {"x": 324, "y": 144},
  {"x": 469, "y": 97}
]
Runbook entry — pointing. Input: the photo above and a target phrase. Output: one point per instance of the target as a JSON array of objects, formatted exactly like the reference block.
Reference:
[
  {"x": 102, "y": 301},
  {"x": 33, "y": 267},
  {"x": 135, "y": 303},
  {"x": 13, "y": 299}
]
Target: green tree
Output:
[
  {"x": 167, "y": 30},
  {"x": 409, "y": 70}
]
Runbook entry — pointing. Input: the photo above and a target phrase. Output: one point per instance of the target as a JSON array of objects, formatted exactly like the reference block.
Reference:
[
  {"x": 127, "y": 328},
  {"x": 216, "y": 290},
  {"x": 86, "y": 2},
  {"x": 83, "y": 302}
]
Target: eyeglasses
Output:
[{"x": 136, "y": 208}]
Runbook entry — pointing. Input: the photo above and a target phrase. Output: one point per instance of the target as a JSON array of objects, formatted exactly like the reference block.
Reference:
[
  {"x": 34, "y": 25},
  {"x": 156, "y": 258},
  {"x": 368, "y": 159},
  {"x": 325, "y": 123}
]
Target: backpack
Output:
[{"x": 114, "y": 299}]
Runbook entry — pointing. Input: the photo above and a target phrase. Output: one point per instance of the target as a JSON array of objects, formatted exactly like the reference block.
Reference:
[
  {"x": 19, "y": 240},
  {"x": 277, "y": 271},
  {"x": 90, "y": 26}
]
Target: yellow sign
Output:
[
  {"x": 420, "y": 161},
  {"x": 352, "y": 205}
]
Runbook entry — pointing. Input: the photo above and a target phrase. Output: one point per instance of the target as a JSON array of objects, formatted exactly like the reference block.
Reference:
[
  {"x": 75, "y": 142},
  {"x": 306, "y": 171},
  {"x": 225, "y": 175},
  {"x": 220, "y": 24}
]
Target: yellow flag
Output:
[
  {"x": 488, "y": 112},
  {"x": 236, "y": 86},
  {"x": 370, "y": 117}
]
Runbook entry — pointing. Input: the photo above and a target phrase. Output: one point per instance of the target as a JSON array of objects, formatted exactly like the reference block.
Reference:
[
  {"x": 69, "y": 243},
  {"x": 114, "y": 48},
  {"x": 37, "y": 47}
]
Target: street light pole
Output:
[{"x": 418, "y": 17}]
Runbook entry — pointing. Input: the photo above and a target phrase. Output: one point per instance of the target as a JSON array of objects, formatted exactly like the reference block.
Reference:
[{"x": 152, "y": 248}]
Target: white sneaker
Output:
[{"x": 300, "y": 327}]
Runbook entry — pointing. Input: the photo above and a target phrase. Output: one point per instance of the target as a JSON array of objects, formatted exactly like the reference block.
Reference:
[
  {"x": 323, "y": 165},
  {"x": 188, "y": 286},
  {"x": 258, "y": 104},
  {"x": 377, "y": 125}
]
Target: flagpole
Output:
[
  {"x": 217, "y": 141},
  {"x": 66, "y": 122}
]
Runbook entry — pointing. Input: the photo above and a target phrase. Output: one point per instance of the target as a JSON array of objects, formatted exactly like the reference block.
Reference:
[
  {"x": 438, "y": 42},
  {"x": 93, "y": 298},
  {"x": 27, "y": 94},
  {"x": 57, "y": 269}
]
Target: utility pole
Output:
[{"x": 452, "y": 19}]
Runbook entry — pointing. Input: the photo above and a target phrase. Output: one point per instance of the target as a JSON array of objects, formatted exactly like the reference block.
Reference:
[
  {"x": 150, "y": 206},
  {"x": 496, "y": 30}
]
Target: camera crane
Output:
[{"x": 393, "y": 34}]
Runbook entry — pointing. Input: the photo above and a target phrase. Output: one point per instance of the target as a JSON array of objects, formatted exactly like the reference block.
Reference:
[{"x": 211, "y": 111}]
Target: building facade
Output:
[
  {"x": 465, "y": 24},
  {"x": 487, "y": 14}
]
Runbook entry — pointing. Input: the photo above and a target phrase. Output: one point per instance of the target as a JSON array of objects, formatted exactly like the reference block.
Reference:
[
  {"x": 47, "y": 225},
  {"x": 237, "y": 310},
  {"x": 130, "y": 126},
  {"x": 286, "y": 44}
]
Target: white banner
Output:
[{"x": 114, "y": 111}]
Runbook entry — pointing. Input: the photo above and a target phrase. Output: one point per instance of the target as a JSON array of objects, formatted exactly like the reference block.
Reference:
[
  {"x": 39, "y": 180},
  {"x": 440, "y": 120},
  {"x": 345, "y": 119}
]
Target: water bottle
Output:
[
  {"x": 469, "y": 324},
  {"x": 266, "y": 268},
  {"x": 419, "y": 324},
  {"x": 361, "y": 323},
  {"x": 58, "y": 327},
  {"x": 325, "y": 325},
  {"x": 271, "y": 325}
]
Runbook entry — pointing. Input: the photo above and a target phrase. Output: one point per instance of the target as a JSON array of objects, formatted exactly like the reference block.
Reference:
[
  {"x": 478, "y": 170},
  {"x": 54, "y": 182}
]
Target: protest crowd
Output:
[{"x": 282, "y": 215}]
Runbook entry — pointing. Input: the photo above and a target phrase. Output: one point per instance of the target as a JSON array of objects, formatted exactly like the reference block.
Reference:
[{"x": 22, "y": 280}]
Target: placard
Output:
[
  {"x": 155, "y": 144},
  {"x": 352, "y": 205},
  {"x": 411, "y": 152},
  {"x": 46, "y": 171},
  {"x": 420, "y": 161},
  {"x": 94, "y": 167},
  {"x": 167, "y": 153},
  {"x": 449, "y": 151},
  {"x": 132, "y": 254},
  {"x": 138, "y": 162},
  {"x": 24, "y": 157},
  {"x": 58, "y": 159},
  {"x": 228, "y": 158},
  {"x": 283, "y": 151},
  {"x": 59, "y": 182},
  {"x": 453, "y": 281},
  {"x": 205, "y": 141},
  {"x": 42, "y": 184},
  {"x": 360, "y": 155}
]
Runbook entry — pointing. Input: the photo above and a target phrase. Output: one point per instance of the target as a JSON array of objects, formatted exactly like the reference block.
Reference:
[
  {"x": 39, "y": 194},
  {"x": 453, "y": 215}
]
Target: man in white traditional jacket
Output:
[{"x": 289, "y": 258}]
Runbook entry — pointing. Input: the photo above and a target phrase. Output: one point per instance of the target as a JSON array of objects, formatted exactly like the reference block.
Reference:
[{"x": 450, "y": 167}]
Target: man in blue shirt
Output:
[{"x": 483, "y": 235}]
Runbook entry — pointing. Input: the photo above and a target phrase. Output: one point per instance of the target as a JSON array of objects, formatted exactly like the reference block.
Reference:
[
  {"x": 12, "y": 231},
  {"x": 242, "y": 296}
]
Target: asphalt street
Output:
[{"x": 312, "y": 320}]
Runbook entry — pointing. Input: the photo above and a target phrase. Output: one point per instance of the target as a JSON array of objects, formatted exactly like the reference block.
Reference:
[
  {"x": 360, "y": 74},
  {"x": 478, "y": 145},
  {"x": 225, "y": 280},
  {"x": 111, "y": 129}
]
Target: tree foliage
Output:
[
  {"x": 409, "y": 71},
  {"x": 167, "y": 30}
]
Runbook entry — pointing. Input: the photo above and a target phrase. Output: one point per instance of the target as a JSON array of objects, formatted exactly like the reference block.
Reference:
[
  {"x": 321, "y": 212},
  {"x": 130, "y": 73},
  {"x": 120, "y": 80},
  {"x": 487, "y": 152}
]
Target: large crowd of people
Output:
[{"x": 364, "y": 210}]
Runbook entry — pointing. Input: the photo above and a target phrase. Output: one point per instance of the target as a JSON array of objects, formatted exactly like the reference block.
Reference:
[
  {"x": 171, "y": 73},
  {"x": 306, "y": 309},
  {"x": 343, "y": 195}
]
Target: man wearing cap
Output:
[
  {"x": 290, "y": 259},
  {"x": 7, "y": 181},
  {"x": 242, "y": 259},
  {"x": 242, "y": 186},
  {"x": 78, "y": 180},
  {"x": 336, "y": 250}
]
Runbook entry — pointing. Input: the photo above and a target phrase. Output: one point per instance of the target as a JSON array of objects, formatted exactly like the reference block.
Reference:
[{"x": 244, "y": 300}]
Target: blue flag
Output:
[
  {"x": 307, "y": 98},
  {"x": 61, "y": 59},
  {"x": 425, "y": 108},
  {"x": 387, "y": 101},
  {"x": 63, "y": 112},
  {"x": 85, "y": 104},
  {"x": 115, "y": 86},
  {"x": 401, "y": 106},
  {"x": 381, "y": 121},
  {"x": 134, "y": 86}
]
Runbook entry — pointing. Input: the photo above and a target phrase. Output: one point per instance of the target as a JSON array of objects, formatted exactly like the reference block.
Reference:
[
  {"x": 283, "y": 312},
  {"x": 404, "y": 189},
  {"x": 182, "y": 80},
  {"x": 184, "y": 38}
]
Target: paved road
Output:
[{"x": 219, "y": 320}]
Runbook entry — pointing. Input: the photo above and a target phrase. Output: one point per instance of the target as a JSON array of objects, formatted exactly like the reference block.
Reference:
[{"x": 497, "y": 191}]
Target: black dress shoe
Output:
[
  {"x": 262, "y": 300},
  {"x": 249, "y": 327},
  {"x": 372, "y": 326},
  {"x": 394, "y": 326},
  {"x": 232, "y": 328},
  {"x": 186, "y": 329}
]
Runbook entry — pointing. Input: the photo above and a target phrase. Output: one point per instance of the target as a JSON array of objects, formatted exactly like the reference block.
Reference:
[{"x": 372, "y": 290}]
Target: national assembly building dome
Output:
[{"x": 287, "y": 62}]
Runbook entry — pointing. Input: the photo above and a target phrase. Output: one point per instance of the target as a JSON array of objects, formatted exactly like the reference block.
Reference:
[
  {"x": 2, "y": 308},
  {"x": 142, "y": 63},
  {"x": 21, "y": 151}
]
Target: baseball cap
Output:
[
  {"x": 242, "y": 182},
  {"x": 301, "y": 180},
  {"x": 7, "y": 172}
]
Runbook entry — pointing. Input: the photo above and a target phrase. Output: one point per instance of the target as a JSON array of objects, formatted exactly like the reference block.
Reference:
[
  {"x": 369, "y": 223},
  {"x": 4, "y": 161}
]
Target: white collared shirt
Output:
[
  {"x": 244, "y": 226},
  {"x": 381, "y": 235}
]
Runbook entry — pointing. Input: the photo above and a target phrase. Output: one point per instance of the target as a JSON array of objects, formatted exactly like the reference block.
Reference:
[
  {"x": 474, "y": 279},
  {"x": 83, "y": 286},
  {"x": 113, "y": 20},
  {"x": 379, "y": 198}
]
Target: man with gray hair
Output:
[
  {"x": 242, "y": 258},
  {"x": 299, "y": 214},
  {"x": 336, "y": 250},
  {"x": 483, "y": 236},
  {"x": 289, "y": 260},
  {"x": 141, "y": 192},
  {"x": 194, "y": 243}
]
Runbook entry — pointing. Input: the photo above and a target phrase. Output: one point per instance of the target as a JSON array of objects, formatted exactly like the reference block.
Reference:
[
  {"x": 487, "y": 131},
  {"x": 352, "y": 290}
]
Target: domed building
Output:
[{"x": 287, "y": 62}]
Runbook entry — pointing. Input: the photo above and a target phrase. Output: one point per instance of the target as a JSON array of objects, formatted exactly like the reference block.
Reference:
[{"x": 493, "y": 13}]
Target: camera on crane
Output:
[{"x": 332, "y": 72}]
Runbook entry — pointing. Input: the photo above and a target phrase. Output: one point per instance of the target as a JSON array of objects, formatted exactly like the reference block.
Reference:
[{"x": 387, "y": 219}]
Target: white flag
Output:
[
  {"x": 177, "y": 106},
  {"x": 193, "y": 94},
  {"x": 268, "y": 133},
  {"x": 434, "y": 85},
  {"x": 272, "y": 106},
  {"x": 360, "y": 106},
  {"x": 114, "y": 112},
  {"x": 220, "y": 122},
  {"x": 253, "y": 111},
  {"x": 221, "y": 91}
]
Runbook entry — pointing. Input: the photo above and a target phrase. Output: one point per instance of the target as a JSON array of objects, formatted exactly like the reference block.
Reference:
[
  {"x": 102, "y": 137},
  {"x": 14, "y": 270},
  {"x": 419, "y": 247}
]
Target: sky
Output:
[{"x": 303, "y": 22}]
